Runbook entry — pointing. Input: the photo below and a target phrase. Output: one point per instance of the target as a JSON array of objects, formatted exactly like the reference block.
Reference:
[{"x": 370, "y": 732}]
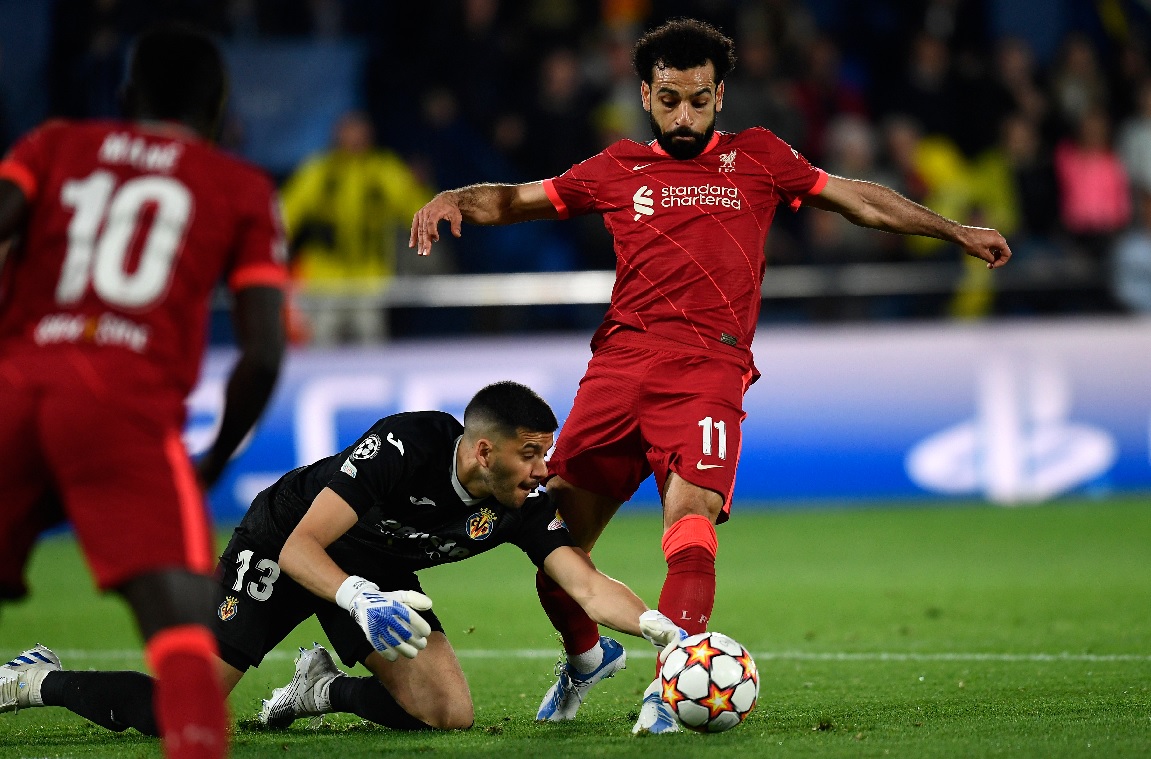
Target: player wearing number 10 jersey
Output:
[
  {"x": 120, "y": 231},
  {"x": 663, "y": 392}
]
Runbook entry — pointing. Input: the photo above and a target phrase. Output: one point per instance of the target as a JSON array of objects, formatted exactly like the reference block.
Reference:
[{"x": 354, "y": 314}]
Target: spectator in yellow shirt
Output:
[{"x": 345, "y": 210}]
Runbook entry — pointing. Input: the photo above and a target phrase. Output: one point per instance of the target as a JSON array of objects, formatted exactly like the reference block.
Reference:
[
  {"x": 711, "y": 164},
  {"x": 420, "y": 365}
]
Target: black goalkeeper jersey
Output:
[{"x": 413, "y": 512}]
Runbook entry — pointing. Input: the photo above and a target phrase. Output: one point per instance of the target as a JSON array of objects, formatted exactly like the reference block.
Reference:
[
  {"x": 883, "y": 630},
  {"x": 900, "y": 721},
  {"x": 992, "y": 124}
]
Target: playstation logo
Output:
[{"x": 1020, "y": 447}]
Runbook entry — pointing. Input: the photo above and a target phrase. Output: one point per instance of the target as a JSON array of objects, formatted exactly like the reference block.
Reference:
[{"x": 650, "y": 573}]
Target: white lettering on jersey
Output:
[
  {"x": 701, "y": 195},
  {"x": 642, "y": 203},
  {"x": 122, "y": 148},
  {"x": 106, "y": 329},
  {"x": 399, "y": 444}
]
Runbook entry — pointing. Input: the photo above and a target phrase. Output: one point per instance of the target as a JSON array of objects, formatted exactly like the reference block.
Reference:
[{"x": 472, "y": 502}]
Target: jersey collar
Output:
[
  {"x": 461, "y": 491},
  {"x": 654, "y": 144}
]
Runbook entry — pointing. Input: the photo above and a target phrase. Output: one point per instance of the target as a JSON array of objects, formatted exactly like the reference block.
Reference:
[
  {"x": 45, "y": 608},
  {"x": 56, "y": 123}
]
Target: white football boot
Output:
[
  {"x": 307, "y": 694},
  {"x": 20, "y": 678},
  {"x": 563, "y": 699},
  {"x": 655, "y": 716}
]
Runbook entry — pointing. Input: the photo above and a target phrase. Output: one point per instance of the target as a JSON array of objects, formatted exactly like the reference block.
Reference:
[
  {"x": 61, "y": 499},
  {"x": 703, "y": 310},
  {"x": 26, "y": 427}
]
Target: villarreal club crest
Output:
[
  {"x": 481, "y": 524},
  {"x": 228, "y": 609}
]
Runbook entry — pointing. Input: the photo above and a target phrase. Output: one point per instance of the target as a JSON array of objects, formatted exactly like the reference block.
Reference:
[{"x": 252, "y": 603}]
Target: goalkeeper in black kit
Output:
[{"x": 342, "y": 539}]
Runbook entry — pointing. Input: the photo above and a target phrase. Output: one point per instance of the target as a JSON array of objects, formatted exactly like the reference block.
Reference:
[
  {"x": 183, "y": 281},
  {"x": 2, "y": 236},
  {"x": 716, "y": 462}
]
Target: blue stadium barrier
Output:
[{"x": 1014, "y": 413}]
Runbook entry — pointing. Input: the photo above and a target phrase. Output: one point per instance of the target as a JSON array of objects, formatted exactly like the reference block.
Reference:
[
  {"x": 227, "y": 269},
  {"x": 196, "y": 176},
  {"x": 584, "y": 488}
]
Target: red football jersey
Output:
[
  {"x": 689, "y": 234},
  {"x": 130, "y": 228}
]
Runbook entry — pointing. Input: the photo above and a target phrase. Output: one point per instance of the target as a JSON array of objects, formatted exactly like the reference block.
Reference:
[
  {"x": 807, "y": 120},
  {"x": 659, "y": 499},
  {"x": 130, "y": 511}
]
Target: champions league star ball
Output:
[{"x": 710, "y": 682}]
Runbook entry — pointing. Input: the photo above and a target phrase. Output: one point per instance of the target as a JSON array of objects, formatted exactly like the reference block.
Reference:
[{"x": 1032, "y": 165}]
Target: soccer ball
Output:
[{"x": 710, "y": 682}]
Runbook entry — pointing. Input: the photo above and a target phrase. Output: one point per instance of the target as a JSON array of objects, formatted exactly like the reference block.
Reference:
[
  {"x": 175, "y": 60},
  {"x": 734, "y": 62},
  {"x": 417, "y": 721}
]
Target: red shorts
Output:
[
  {"x": 651, "y": 405},
  {"x": 105, "y": 446}
]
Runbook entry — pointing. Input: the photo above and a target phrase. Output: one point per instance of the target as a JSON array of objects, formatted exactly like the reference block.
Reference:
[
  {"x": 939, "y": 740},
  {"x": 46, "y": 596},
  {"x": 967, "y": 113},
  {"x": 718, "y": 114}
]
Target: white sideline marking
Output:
[{"x": 69, "y": 655}]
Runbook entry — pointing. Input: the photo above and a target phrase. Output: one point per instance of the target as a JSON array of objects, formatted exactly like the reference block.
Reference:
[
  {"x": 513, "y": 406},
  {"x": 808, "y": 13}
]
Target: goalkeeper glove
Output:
[
  {"x": 388, "y": 619},
  {"x": 660, "y": 631}
]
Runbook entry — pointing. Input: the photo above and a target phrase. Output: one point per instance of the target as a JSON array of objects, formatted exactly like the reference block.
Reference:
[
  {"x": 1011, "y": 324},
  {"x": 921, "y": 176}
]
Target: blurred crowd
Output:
[{"x": 919, "y": 95}]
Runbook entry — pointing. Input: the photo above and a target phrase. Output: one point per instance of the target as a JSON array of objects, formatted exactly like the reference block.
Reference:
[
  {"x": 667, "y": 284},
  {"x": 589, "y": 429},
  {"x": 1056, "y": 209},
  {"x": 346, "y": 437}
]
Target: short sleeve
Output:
[
  {"x": 542, "y": 531},
  {"x": 260, "y": 256},
  {"x": 27, "y": 162},
  {"x": 793, "y": 176},
  {"x": 370, "y": 471},
  {"x": 575, "y": 192}
]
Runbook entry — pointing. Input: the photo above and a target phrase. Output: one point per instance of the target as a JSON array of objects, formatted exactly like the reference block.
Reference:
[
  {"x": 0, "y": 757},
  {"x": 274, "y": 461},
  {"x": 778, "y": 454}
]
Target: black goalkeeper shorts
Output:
[{"x": 258, "y": 606}]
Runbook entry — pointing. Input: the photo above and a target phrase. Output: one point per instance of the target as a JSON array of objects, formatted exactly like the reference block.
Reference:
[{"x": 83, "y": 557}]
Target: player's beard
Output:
[
  {"x": 679, "y": 149},
  {"x": 505, "y": 485}
]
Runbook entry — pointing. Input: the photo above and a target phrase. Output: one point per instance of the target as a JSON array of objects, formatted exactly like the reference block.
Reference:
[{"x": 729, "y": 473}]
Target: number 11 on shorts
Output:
[{"x": 720, "y": 432}]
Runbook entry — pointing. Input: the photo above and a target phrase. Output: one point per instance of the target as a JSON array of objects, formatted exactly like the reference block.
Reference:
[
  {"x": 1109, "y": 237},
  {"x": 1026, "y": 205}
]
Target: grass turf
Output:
[{"x": 911, "y": 631}]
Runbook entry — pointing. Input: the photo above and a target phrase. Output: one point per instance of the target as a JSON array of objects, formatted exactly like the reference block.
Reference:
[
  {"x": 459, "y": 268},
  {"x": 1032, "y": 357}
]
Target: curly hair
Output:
[{"x": 683, "y": 43}]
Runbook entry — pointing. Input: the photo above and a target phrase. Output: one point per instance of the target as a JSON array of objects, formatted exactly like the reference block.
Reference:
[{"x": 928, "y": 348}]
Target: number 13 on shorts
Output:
[{"x": 714, "y": 437}]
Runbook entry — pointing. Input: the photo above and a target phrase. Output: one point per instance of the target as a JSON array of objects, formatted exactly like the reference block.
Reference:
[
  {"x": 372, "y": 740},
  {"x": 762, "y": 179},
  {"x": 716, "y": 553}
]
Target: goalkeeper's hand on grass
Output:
[
  {"x": 660, "y": 631},
  {"x": 389, "y": 619}
]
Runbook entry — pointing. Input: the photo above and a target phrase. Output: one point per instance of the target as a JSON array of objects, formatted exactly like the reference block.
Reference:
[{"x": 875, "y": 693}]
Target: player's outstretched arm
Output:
[
  {"x": 867, "y": 204},
  {"x": 258, "y": 315},
  {"x": 485, "y": 204},
  {"x": 609, "y": 602}
]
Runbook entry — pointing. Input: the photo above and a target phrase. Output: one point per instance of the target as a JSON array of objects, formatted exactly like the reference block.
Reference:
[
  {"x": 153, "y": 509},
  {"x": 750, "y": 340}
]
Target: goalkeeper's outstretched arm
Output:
[{"x": 609, "y": 602}]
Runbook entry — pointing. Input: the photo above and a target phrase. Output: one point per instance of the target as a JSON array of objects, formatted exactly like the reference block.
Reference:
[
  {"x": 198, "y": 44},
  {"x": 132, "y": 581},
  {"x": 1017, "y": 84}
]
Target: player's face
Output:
[
  {"x": 516, "y": 467},
  {"x": 681, "y": 106}
]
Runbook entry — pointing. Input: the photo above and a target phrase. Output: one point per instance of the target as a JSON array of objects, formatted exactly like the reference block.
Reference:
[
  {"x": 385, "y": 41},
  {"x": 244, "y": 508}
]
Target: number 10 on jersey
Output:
[{"x": 102, "y": 231}]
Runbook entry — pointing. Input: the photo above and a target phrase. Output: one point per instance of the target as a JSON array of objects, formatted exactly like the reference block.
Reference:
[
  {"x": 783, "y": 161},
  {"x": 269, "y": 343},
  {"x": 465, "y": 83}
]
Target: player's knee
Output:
[
  {"x": 456, "y": 715},
  {"x": 440, "y": 706},
  {"x": 683, "y": 499}
]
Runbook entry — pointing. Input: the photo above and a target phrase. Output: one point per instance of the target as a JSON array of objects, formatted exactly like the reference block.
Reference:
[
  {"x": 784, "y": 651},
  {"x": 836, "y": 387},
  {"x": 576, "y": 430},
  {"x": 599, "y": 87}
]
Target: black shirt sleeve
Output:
[
  {"x": 372, "y": 466},
  {"x": 542, "y": 531}
]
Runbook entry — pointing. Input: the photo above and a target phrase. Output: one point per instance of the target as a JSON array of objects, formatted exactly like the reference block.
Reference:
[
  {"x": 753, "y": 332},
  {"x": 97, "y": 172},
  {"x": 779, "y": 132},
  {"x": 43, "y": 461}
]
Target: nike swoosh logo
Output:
[
  {"x": 701, "y": 465},
  {"x": 421, "y": 501},
  {"x": 639, "y": 166}
]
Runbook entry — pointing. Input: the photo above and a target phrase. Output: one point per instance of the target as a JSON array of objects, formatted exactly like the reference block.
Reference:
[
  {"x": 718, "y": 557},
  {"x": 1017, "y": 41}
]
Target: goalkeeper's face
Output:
[{"x": 515, "y": 467}]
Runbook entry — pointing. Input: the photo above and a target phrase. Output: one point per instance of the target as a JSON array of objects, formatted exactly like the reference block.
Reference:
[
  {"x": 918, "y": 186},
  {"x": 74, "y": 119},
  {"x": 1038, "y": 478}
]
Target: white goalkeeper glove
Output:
[
  {"x": 389, "y": 619},
  {"x": 660, "y": 631}
]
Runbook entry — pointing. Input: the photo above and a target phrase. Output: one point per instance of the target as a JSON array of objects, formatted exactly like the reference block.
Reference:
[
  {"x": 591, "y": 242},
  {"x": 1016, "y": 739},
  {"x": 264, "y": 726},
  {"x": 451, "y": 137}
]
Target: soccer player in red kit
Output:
[
  {"x": 663, "y": 392},
  {"x": 121, "y": 230}
]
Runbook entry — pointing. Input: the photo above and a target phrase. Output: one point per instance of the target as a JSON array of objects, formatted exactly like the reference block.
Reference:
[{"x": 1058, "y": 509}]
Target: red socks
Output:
[
  {"x": 580, "y": 633},
  {"x": 188, "y": 701},
  {"x": 689, "y": 591}
]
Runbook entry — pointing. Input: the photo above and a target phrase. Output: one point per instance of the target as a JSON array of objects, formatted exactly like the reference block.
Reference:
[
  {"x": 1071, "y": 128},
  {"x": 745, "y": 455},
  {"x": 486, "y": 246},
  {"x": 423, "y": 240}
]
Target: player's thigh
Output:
[
  {"x": 126, "y": 482},
  {"x": 431, "y": 687},
  {"x": 257, "y": 606},
  {"x": 585, "y": 513},
  {"x": 600, "y": 448},
  {"x": 692, "y": 420},
  {"x": 27, "y": 505}
]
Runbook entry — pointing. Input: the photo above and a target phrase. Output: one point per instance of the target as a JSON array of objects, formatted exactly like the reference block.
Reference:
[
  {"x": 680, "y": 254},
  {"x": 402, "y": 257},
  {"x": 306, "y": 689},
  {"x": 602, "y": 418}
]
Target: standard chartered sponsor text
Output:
[{"x": 700, "y": 195}]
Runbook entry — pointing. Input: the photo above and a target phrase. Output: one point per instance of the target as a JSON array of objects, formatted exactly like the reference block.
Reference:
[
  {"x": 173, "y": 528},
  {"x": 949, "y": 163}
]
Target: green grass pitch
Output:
[{"x": 910, "y": 630}]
